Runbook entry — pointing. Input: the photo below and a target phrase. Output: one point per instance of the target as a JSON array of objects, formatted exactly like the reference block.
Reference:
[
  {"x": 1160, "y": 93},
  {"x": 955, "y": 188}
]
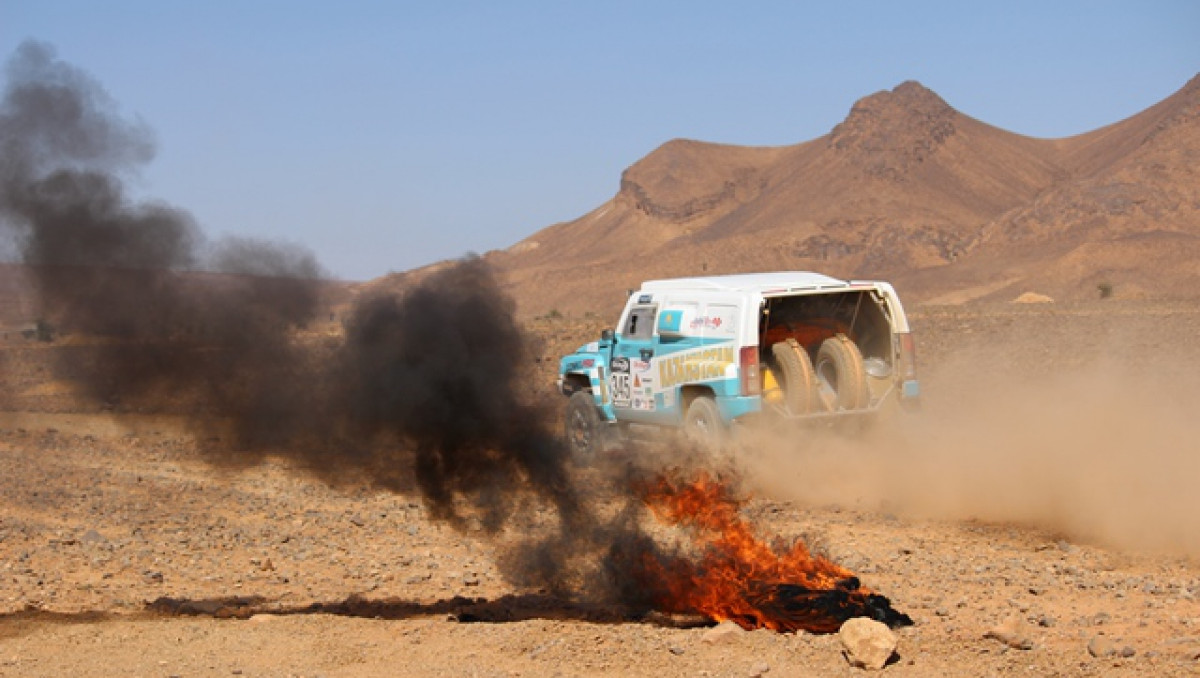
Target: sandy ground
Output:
[{"x": 1046, "y": 487}]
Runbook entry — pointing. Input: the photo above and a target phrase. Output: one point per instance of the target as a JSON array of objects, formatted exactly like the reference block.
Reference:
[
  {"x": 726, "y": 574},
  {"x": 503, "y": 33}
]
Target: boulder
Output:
[
  {"x": 866, "y": 643},
  {"x": 1013, "y": 633}
]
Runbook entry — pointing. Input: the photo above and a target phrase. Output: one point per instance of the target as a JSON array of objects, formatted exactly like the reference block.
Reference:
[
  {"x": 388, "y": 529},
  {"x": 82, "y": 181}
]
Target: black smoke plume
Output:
[
  {"x": 424, "y": 390},
  {"x": 421, "y": 391}
]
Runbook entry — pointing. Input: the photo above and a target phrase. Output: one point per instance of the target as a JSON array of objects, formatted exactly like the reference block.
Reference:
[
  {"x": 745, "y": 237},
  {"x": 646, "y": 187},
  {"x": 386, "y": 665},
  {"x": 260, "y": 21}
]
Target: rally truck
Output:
[{"x": 706, "y": 355}]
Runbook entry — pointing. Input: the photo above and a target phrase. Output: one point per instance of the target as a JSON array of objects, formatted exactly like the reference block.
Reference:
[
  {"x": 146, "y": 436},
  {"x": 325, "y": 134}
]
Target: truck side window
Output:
[{"x": 640, "y": 324}]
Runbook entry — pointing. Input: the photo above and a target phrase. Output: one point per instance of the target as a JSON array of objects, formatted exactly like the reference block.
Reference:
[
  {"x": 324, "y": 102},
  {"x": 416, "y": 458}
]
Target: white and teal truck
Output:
[{"x": 706, "y": 354}]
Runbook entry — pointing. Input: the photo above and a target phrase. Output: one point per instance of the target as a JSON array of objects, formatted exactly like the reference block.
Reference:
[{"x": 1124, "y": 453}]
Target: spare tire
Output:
[
  {"x": 841, "y": 378},
  {"x": 796, "y": 371}
]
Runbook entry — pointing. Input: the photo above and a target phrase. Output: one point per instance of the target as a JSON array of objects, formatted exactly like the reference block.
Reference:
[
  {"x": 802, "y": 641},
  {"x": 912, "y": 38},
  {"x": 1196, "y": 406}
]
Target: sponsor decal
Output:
[
  {"x": 580, "y": 364},
  {"x": 692, "y": 366},
  {"x": 711, "y": 323},
  {"x": 669, "y": 321},
  {"x": 639, "y": 365},
  {"x": 619, "y": 364},
  {"x": 645, "y": 298}
]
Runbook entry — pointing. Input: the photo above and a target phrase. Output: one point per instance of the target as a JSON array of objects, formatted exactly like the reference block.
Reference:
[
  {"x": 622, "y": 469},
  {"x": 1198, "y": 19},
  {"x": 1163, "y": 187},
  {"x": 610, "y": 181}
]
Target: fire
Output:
[{"x": 739, "y": 577}]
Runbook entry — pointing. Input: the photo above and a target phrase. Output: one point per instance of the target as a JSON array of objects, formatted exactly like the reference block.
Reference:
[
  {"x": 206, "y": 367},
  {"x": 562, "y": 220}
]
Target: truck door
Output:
[{"x": 630, "y": 373}]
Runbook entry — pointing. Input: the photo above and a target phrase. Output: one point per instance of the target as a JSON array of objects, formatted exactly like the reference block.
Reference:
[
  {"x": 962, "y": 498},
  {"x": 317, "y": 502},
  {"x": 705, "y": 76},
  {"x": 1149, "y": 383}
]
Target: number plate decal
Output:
[{"x": 620, "y": 382}]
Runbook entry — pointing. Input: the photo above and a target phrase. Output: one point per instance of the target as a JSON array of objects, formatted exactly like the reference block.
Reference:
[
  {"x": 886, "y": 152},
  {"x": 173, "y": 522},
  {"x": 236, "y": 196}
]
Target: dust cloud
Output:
[{"x": 1105, "y": 453}]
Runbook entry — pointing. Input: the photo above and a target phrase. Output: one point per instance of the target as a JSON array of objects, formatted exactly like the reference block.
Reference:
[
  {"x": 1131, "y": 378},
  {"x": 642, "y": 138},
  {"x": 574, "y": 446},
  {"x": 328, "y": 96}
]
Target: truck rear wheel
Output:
[
  {"x": 582, "y": 428},
  {"x": 702, "y": 424},
  {"x": 841, "y": 379},
  {"x": 799, "y": 380}
]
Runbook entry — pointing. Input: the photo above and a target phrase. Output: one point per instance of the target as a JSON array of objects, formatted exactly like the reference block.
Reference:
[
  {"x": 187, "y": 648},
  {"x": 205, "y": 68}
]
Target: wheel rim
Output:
[
  {"x": 702, "y": 430},
  {"x": 581, "y": 434}
]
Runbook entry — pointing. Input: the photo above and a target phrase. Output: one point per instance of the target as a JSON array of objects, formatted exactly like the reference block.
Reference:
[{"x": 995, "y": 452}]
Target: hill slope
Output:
[{"x": 905, "y": 188}]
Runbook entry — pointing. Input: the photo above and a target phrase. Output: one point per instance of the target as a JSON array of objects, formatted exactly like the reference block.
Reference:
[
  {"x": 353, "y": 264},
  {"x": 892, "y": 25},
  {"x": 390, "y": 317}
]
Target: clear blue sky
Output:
[{"x": 388, "y": 135}]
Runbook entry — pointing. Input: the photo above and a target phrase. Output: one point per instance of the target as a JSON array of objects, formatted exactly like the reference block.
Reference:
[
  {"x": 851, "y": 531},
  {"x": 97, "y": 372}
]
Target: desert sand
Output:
[{"x": 1038, "y": 516}]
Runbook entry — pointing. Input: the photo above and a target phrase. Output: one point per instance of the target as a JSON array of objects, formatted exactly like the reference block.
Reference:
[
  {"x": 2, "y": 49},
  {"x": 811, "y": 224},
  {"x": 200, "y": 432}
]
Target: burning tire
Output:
[
  {"x": 841, "y": 378},
  {"x": 702, "y": 424},
  {"x": 582, "y": 428},
  {"x": 799, "y": 379}
]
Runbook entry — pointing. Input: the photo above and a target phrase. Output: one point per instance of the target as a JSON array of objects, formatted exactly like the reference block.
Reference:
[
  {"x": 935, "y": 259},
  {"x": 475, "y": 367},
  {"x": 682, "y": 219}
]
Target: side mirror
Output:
[{"x": 606, "y": 335}]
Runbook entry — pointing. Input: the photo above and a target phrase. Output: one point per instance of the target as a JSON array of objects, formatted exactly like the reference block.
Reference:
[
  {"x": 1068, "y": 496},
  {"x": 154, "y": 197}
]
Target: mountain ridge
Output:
[{"x": 905, "y": 188}]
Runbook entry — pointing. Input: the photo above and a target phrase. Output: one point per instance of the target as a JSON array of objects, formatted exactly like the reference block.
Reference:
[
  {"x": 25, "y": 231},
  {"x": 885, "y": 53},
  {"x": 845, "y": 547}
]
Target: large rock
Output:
[
  {"x": 1101, "y": 647},
  {"x": 866, "y": 643},
  {"x": 1013, "y": 633}
]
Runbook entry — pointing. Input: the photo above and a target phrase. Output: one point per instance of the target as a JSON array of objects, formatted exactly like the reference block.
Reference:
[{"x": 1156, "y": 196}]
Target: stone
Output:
[
  {"x": 759, "y": 669},
  {"x": 1066, "y": 546},
  {"x": 1186, "y": 648},
  {"x": 1013, "y": 633},
  {"x": 92, "y": 537},
  {"x": 724, "y": 632},
  {"x": 1101, "y": 647},
  {"x": 866, "y": 643}
]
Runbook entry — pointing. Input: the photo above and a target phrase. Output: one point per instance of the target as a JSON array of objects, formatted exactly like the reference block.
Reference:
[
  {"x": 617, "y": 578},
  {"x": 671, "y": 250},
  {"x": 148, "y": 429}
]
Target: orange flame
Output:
[{"x": 740, "y": 578}]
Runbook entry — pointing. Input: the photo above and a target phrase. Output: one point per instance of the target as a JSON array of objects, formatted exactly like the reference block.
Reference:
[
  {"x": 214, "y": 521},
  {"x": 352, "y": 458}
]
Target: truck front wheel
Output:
[{"x": 582, "y": 427}]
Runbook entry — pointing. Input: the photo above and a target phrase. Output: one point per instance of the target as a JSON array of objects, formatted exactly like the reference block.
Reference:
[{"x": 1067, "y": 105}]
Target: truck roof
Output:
[{"x": 749, "y": 282}]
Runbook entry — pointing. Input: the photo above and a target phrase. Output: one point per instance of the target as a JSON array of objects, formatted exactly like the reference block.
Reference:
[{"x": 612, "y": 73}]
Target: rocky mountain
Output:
[{"x": 906, "y": 188}]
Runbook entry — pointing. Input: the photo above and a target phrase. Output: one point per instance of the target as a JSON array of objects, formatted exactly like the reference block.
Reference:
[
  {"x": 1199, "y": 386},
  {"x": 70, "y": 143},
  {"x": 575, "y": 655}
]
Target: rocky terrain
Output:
[{"x": 992, "y": 518}]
